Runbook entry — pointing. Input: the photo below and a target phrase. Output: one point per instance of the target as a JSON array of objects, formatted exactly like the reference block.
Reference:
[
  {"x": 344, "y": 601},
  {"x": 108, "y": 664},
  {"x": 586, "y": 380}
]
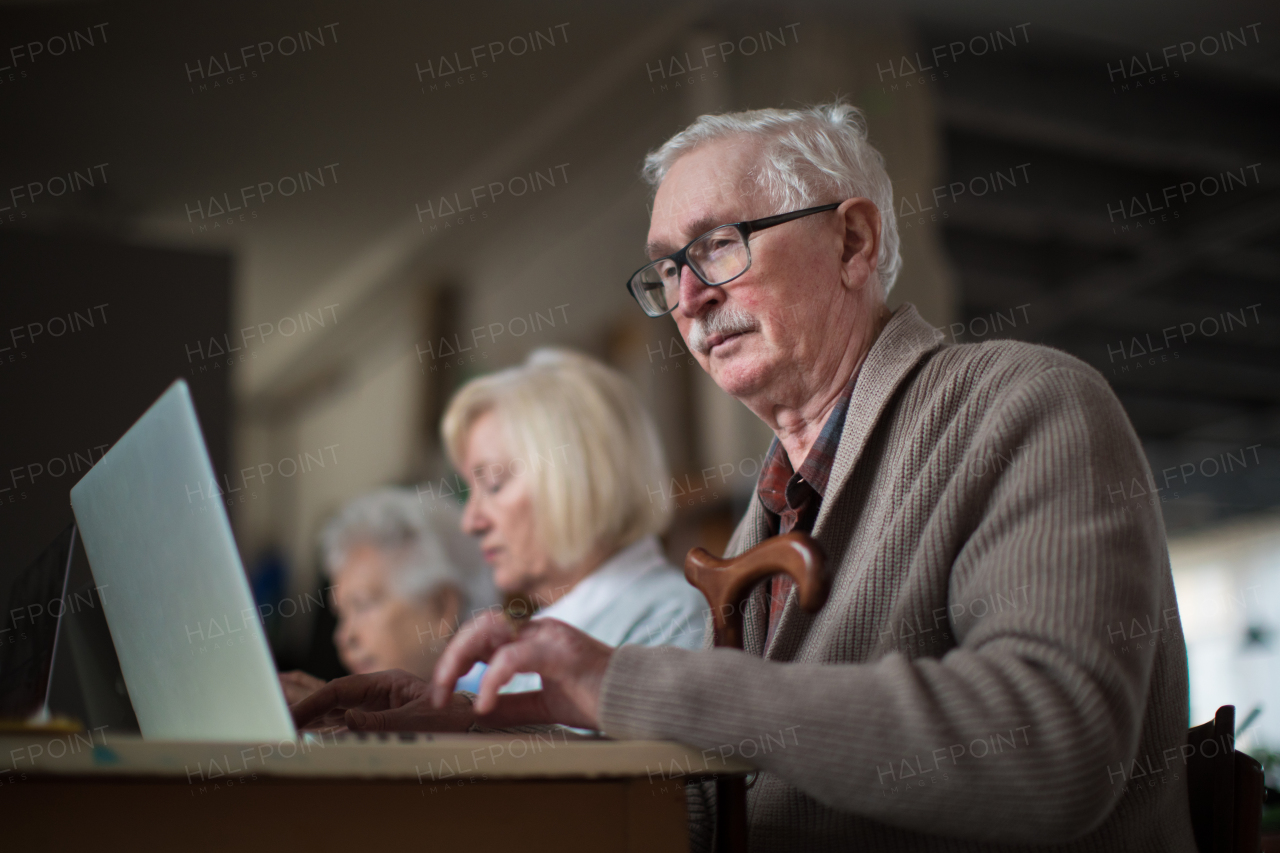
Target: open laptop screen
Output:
[{"x": 186, "y": 631}]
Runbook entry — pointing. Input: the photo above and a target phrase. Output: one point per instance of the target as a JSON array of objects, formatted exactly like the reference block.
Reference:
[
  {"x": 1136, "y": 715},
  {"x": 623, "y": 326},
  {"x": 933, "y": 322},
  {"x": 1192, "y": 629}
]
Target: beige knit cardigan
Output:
[{"x": 1000, "y": 664}]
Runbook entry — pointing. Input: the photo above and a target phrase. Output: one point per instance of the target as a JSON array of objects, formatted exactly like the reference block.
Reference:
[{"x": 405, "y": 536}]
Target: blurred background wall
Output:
[{"x": 372, "y": 204}]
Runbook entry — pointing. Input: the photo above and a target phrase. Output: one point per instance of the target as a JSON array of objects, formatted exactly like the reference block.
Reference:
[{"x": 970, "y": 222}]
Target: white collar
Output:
[{"x": 597, "y": 591}]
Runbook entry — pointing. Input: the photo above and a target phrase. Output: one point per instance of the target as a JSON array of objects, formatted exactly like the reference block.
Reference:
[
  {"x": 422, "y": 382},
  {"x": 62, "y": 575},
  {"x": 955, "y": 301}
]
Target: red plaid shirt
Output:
[{"x": 792, "y": 498}]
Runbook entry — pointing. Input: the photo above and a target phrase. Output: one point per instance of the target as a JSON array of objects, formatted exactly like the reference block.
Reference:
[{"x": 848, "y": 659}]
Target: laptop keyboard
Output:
[{"x": 368, "y": 737}]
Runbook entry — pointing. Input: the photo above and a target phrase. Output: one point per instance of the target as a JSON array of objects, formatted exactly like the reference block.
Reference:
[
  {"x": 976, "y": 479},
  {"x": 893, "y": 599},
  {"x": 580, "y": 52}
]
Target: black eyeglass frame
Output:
[{"x": 746, "y": 229}]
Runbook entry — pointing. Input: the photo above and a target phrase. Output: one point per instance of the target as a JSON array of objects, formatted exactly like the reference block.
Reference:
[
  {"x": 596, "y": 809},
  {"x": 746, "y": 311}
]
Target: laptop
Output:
[
  {"x": 32, "y": 603},
  {"x": 191, "y": 647},
  {"x": 57, "y": 664}
]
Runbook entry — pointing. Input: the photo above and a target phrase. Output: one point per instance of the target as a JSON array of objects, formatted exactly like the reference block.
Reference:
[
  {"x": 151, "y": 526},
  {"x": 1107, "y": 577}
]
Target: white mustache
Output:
[{"x": 724, "y": 321}]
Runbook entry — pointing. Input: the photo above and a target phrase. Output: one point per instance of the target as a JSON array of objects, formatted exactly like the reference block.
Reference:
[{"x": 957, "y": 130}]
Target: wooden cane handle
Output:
[{"x": 727, "y": 583}]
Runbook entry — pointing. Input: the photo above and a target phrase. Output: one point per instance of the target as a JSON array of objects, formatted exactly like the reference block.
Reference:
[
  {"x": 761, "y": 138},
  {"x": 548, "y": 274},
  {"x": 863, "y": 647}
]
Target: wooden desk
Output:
[{"x": 539, "y": 792}]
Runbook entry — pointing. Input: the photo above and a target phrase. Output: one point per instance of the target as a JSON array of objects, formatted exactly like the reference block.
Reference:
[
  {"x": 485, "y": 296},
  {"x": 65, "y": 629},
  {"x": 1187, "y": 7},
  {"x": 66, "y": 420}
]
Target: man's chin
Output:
[{"x": 737, "y": 373}]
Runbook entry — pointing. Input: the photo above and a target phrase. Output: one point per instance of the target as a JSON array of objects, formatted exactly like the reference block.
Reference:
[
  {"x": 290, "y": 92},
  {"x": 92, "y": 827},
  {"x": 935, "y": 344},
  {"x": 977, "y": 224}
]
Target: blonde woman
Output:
[{"x": 563, "y": 463}]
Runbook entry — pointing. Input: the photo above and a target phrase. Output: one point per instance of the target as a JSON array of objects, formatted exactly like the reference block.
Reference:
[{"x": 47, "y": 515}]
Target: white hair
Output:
[
  {"x": 590, "y": 448},
  {"x": 425, "y": 544},
  {"x": 812, "y": 156}
]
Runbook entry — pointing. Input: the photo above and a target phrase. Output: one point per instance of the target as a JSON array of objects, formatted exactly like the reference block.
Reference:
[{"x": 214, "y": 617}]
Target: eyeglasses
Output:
[{"x": 716, "y": 258}]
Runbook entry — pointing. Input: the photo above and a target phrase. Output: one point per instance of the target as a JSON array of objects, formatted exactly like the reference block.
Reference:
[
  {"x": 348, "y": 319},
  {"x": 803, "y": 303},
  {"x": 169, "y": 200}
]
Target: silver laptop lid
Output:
[{"x": 192, "y": 650}]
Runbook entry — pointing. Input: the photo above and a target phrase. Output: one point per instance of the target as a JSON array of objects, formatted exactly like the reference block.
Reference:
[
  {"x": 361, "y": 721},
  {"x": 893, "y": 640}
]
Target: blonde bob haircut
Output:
[{"x": 578, "y": 431}]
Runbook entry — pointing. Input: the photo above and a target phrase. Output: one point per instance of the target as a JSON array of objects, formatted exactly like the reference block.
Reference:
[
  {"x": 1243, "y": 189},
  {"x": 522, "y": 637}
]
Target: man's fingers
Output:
[
  {"x": 524, "y": 655},
  {"x": 476, "y": 642}
]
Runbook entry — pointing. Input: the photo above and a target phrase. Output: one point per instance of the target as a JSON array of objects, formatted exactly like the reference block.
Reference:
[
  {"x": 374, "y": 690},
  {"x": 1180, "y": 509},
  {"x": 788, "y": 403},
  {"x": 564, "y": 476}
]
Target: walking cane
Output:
[{"x": 727, "y": 584}]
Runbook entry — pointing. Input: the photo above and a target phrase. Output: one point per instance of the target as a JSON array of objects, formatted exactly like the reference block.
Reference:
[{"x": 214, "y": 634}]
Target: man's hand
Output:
[
  {"x": 571, "y": 663},
  {"x": 298, "y": 685},
  {"x": 394, "y": 700}
]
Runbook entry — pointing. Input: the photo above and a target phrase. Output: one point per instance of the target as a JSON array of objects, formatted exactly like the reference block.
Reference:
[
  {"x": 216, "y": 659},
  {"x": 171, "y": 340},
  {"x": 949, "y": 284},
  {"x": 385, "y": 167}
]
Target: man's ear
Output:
[{"x": 860, "y": 252}]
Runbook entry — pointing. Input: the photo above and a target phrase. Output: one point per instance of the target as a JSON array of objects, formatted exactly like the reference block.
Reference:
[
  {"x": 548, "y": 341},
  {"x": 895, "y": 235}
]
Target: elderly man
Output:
[{"x": 999, "y": 664}]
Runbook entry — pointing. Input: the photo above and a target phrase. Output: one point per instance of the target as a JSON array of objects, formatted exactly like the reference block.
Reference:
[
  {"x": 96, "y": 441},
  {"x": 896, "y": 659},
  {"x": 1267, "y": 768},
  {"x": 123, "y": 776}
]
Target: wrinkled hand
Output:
[
  {"x": 391, "y": 701},
  {"x": 571, "y": 663},
  {"x": 298, "y": 685}
]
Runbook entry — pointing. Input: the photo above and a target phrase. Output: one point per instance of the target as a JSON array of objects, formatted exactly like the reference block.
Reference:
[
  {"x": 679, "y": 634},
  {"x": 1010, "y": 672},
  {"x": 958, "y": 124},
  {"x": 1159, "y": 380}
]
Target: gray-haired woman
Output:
[{"x": 404, "y": 577}]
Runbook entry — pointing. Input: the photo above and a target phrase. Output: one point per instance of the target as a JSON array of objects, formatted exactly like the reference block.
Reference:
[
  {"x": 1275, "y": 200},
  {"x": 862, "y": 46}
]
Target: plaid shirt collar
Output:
[{"x": 782, "y": 488}]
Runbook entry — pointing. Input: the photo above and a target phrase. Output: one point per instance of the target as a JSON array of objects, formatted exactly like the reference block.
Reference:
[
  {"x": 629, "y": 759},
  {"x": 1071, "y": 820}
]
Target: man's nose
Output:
[
  {"x": 343, "y": 636},
  {"x": 695, "y": 296}
]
